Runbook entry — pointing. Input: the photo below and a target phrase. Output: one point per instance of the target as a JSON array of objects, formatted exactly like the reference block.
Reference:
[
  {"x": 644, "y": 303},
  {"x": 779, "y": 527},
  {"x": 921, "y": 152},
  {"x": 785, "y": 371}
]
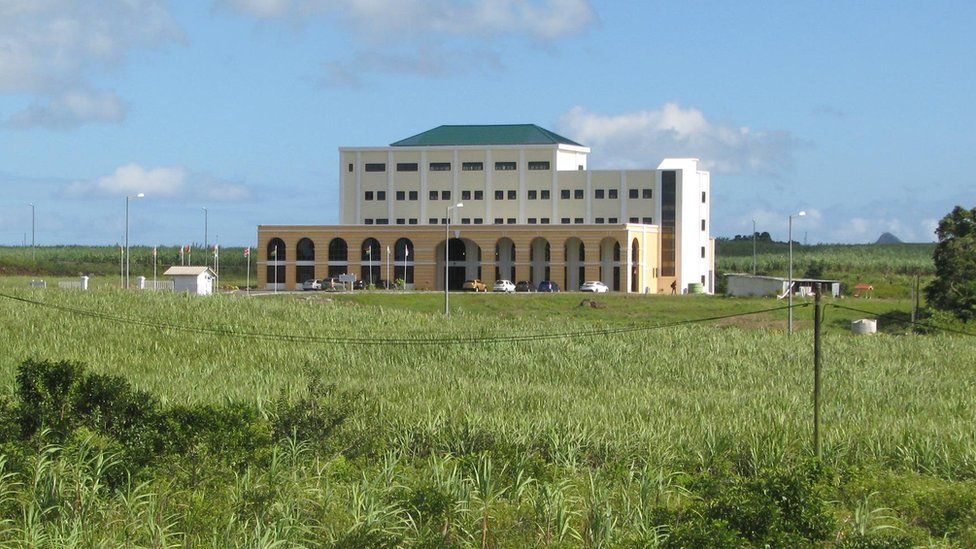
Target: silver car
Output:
[
  {"x": 311, "y": 284},
  {"x": 594, "y": 286},
  {"x": 506, "y": 286}
]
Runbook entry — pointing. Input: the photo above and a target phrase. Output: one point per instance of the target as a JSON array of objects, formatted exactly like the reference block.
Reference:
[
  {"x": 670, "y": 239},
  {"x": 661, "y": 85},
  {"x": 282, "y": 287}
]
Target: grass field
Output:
[{"x": 630, "y": 439}]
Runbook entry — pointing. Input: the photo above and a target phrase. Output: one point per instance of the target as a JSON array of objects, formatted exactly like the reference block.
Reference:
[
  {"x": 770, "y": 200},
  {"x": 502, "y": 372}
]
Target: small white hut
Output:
[{"x": 194, "y": 280}]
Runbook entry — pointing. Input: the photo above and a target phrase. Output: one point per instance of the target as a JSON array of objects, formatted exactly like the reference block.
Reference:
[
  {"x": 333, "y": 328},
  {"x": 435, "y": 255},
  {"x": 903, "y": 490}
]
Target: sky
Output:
[{"x": 859, "y": 113}]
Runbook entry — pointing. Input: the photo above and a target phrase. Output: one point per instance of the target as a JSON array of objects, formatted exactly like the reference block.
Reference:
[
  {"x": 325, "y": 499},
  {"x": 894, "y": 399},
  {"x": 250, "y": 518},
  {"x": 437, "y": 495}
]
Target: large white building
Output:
[{"x": 531, "y": 210}]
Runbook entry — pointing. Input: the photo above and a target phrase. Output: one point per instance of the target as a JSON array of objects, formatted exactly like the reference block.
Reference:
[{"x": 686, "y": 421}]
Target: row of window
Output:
[
  {"x": 504, "y": 221},
  {"x": 512, "y": 195},
  {"x": 446, "y": 166}
]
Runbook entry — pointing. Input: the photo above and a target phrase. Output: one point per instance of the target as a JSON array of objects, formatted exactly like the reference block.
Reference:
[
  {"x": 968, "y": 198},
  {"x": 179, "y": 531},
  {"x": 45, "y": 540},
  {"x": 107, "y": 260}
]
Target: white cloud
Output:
[
  {"x": 174, "y": 183},
  {"x": 71, "y": 109},
  {"x": 391, "y": 20},
  {"x": 49, "y": 45},
  {"x": 643, "y": 138}
]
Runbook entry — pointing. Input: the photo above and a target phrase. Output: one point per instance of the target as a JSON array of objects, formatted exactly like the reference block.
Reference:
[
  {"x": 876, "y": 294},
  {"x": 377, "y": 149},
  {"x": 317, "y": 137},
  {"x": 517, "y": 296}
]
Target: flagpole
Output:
[
  {"x": 276, "y": 269},
  {"x": 121, "y": 267},
  {"x": 247, "y": 286},
  {"x": 154, "y": 268},
  {"x": 387, "y": 267}
]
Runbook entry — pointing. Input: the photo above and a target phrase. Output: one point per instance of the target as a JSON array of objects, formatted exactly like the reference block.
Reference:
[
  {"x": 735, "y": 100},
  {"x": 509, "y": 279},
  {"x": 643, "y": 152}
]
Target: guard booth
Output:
[{"x": 192, "y": 280}]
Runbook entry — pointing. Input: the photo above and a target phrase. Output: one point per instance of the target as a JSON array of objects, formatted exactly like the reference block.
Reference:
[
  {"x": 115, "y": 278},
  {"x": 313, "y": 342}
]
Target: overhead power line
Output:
[
  {"x": 909, "y": 322},
  {"x": 454, "y": 340}
]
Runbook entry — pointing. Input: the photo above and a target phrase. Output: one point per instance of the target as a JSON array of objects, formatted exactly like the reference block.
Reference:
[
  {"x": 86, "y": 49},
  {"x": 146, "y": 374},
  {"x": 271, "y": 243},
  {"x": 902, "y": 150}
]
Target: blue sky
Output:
[{"x": 860, "y": 113}]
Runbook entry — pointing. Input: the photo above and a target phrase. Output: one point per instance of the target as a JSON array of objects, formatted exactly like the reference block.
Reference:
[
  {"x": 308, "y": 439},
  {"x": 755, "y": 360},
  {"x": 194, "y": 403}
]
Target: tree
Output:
[{"x": 954, "y": 287}]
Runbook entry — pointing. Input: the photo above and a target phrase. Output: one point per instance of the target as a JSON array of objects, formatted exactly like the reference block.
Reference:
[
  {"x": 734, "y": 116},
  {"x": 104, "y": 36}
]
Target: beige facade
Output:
[
  {"x": 623, "y": 256},
  {"x": 523, "y": 189}
]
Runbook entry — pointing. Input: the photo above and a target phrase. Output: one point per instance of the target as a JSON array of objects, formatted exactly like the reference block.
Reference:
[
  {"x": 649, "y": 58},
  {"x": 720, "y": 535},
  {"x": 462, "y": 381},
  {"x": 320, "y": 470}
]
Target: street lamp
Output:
[
  {"x": 447, "y": 253},
  {"x": 206, "y": 242},
  {"x": 789, "y": 328},
  {"x": 127, "y": 198},
  {"x": 753, "y": 247},
  {"x": 33, "y": 227}
]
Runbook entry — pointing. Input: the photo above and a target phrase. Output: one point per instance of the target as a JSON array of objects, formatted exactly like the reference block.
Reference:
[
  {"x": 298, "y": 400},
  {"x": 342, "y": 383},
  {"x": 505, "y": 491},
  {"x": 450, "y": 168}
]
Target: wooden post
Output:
[{"x": 817, "y": 320}]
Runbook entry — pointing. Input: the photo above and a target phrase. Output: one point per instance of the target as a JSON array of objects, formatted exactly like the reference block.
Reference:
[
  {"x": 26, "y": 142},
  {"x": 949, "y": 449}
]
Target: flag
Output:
[
  {"x": 274, "y": 253},
  {"x": 154, "y": 251},
  {"x": 216, "y": 252},
  {"x": 247, "y": 252},
  {"x": 181, "y": 255},
  {"x": 122, "y": 250},
  {"x": 406, "y": 251}
]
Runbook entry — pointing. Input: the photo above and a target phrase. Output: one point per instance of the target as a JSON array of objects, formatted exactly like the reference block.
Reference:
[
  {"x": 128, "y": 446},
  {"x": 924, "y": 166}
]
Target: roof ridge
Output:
[{"x": 485, "y": 134}]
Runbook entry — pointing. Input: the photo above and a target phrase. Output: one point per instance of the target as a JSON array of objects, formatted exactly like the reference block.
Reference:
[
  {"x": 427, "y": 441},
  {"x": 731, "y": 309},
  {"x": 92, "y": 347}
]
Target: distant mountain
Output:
[{"x": 888, "y": 238}]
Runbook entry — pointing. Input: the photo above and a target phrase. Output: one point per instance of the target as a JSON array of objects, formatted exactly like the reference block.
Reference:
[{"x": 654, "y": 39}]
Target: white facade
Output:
[
  {"x": 747, "y": 285},
  {"x": 194, "y": 280}
]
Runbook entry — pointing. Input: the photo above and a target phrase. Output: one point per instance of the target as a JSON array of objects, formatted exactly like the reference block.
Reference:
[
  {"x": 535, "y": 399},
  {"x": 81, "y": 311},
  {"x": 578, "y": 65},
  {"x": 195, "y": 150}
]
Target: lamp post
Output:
[
  {"x": 753, "y": 247},
  {"x": 789, "y": 328},
  {"x": 33, "y": 232},
  {"x": 447, "y": 254},
  {"x": 206, "y": 240},
  {"x": 127, "y": 198}
]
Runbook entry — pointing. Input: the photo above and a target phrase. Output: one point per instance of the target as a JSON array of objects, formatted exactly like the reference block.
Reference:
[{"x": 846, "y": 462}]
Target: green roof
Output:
[{"x": 486, "y": 134}]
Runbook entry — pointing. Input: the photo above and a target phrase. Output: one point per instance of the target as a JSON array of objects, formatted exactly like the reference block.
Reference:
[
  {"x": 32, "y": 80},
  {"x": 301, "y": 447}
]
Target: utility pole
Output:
[
  {"x": 817, "y": 321},
  {"x": 753, "y": 247},
  {"x": 33, "y": 233},
  {"x": 206, "y": 240}
]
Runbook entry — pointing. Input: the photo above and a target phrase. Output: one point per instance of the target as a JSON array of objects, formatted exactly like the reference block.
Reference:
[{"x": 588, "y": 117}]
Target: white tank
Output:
[{"x": 864, "y": 326}]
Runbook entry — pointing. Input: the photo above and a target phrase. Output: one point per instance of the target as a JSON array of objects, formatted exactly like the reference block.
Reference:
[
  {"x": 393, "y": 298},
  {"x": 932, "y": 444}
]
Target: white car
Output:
[
  {"x": 311, "y": 284},
  {"x": 594, "y": 286},
  {"x": 503, "y": 286}
]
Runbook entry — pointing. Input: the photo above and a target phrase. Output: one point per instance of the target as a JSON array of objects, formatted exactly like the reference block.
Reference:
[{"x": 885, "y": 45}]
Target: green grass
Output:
[{"x": 592, "y": 421}]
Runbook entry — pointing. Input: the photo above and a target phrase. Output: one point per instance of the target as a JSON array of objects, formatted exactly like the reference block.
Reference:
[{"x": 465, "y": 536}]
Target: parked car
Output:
[
  {"x": 331, "y": 284},
  {"x": 503, "y": 286},
  {"x": 359, "y": 285},
  {"x": 548, "y": 286},
  {"x": 311, "y": 284},
  {"x": 474, "y": 285},
  {"x": 524, "y": 286},
  {"x": 594, "y": 286}
]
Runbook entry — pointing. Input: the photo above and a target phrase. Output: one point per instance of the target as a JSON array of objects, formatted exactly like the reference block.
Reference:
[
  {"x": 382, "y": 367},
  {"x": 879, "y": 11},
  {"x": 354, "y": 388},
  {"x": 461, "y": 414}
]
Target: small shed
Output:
[
  {"x": 194, "y": 280},
  {"x": 746, "y": 285}
]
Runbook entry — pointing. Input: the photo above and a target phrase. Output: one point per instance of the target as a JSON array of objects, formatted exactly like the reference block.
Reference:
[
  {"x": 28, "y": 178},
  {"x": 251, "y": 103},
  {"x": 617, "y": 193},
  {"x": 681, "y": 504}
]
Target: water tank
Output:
[
  {"x": 864, "y": 326},
  {"x": 696, "y": 288}
]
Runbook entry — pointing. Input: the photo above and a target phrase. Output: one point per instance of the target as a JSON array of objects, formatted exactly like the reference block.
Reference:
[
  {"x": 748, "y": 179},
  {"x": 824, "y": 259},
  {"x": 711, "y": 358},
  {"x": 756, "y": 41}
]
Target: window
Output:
[
  {"x": 612, "y": 220},
  {"x": 613, "y": 193},
  {"x": 512, "y": 195},
  {"x": 703, "y": 279},
  {"x": 703, "y": 197},
  {"x": 478, "y": 221},
  {"x": 599, "y": 193},
  {"x": 369, "y": 195},
  {"x": 633, "y": 193},
  {"x": 532, "y": 195},
  {"x": 579, "y": 167},
  {"x": 368, "y": 221},
  {"x": 479, "y": 195},
  {"x": 445, "y": 195},
  {"x": 406, "y": 166},
  {"x": 401, "y": 195},
  {"x": 647, "y": 220},
  {"x": 531, "y": 221},
  {"x": 599, "y": 221},
  {"x": 545, "y": 195},
  {"x": 380, "y": 195},
  {"x": 545, "y": 220},
  {"x": 465, "y": 195},
  {"x": 703, "y": 252},
  {"x": 440, "y": 166},
  {"x": 578, "y": 220},
  {"x": 413, "y": 195},
  {"x": 382, "y": 221},
  {"x": 578, "y": 194},
  {"x": 648, "y": 193},
  {"x": 401, "y": 221},
  {"x": 376, "y": 167},
  {"x": 499, "y": 195},
  {"x": 510, "y": 221},
  {"x": 432, "y": 195},
  {"x": 703, "y": 224},
  {"x": 350, "y": 167},
  {"x": 564, "y": 194},
  {"x": 505, "y": 166},
  {"x": 543, "y": 165},
  {"x": 635, "y": 220},
  {"x": 472, "y": 166},
  {"x": 564, "y": 221},
  {"x": 443, "y": 221},
  {"x": 465, "y": 220},
  {"x": 499, "y": 220},
  {"x": 412, "y": 221},
  {"x": 432, "y": 221}
]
